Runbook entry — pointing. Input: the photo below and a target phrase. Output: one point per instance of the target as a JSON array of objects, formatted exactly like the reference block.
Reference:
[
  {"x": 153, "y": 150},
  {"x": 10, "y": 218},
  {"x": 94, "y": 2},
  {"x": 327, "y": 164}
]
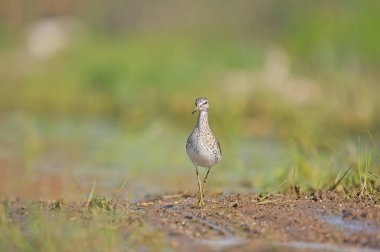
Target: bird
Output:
[{"x": 202, "y": 146}]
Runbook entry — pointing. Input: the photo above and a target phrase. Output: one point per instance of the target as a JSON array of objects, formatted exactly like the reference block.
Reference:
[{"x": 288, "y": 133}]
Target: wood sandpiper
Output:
[{"x": 202, "y": 147}]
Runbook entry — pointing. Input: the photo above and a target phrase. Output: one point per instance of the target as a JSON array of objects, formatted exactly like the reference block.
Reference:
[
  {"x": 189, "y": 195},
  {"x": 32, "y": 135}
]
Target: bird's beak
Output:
[{"x": 195, "y": 110}]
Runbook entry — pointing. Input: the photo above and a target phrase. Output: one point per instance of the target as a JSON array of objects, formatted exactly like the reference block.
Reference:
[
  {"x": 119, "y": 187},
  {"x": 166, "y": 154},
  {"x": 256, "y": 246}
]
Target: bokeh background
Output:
[{"x": 98, "y": 94}]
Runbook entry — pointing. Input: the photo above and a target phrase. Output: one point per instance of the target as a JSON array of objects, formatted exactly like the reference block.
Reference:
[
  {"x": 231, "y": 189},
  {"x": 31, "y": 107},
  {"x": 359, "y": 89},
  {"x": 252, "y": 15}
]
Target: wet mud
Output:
[
  {"x": 237, "y": 222},
  {"x": 318, "y": 222}
]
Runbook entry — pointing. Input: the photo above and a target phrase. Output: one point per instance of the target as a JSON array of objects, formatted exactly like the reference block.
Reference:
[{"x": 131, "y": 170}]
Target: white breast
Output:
[{"x": 202, "y": 157}]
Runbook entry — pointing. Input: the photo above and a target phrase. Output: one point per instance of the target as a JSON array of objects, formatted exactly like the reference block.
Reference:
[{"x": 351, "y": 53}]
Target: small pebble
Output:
[{"x": 235, "y": 204}]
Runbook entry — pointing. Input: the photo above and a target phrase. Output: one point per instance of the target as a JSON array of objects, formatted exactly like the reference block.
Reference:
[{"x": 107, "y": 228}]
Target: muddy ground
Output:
[
  {"x": 319, "y": 221},
  {"x": 247, "y": 222}
]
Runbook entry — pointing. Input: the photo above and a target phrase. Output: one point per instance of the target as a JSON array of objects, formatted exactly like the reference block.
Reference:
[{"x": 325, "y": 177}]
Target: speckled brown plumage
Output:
[{"x": 202, "y": 147}]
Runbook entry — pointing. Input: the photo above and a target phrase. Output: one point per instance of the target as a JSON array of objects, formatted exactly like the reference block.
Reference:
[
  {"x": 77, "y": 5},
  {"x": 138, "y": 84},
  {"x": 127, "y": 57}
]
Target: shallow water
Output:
[
  {"x": 349, "y": 227},
  {"x": 300, "y": 245},
  {"x": 63, "y": 159},
  {"x": 235, "y": 242},
  {"x": 224, "y": 243}
]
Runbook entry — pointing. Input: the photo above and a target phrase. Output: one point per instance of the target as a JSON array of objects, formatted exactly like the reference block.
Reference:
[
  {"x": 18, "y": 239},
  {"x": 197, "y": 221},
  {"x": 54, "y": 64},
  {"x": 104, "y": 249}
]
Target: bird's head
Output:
[{"x": 201, "y": 104}]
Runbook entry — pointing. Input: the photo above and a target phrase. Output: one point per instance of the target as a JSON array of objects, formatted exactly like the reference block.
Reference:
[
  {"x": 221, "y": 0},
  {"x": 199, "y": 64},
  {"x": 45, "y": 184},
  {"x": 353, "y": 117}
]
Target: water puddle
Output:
[
  {"x": 321, "y": 247},
  {"x": 224, "y": 242},
  {"x": 350, "y": 227},
  {"x": 229, "y": 242}
]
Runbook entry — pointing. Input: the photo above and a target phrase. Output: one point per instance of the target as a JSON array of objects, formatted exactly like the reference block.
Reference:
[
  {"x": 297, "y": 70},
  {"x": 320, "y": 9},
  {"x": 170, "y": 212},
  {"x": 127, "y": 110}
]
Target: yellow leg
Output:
[
  {"x": 200, "y": 201},
  {"x": 204, "y": 183}
]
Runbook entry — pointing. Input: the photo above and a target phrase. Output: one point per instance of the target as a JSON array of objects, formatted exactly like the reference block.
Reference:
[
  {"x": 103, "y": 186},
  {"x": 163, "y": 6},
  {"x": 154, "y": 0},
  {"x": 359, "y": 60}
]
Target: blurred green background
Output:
[{"x": 95, "y": 91}]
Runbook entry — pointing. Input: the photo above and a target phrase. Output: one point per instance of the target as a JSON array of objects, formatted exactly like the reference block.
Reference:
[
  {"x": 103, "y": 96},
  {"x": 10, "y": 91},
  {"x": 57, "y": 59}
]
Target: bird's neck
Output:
[{"x": 202, "y": 122}]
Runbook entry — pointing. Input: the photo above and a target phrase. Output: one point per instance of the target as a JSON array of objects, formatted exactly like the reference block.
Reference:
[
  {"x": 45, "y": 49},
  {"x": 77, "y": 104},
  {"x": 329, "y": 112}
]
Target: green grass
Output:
[
  {"x": 136, "y": 76},
  {"x": 46, "y": 227}
]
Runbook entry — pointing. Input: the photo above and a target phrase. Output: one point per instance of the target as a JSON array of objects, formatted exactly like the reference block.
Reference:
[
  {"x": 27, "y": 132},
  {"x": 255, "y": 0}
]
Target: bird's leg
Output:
[
  {"x": 200, "y": 201},
  {"x": 204, "y": 183}
]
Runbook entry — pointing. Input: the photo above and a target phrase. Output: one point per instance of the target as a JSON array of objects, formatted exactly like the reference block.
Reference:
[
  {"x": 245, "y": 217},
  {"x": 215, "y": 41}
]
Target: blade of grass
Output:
[
  {"x": 374, "y": 144},
  {"x": 121, "y": 189},
  {"x": 91, "y": 193},
  {"x": 340, "y": 180}
]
